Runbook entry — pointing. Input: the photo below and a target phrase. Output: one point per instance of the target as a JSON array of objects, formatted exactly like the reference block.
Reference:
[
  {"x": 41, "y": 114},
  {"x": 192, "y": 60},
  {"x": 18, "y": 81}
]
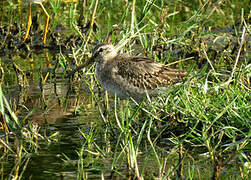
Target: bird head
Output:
[{"x": 104, "y": 52}]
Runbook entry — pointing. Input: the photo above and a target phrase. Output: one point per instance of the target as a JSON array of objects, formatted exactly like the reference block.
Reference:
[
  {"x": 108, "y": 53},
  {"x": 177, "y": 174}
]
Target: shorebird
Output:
[
  {"x": 47, "y": 17},
  {"x": 131, "y": 76}
]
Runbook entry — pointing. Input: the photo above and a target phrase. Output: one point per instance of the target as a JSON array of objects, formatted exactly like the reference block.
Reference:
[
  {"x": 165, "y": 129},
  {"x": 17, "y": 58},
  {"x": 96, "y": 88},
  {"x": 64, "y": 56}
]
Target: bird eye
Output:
[{"x": 101, "y": 50}]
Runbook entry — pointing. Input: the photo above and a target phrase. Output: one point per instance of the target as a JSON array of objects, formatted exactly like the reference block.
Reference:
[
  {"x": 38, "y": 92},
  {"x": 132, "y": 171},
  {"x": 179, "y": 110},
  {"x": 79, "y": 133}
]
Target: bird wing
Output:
[{"x": 142, "y": 72}]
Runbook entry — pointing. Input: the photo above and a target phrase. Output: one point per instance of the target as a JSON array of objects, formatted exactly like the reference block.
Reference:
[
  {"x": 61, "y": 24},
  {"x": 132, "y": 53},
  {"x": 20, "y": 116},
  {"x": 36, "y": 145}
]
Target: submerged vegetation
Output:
[{"x": 56, "y": 127}]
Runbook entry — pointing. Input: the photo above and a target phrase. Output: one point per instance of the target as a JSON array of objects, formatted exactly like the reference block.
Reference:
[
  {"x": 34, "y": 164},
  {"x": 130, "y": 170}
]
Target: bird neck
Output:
[{"x": 109, "y": 57}]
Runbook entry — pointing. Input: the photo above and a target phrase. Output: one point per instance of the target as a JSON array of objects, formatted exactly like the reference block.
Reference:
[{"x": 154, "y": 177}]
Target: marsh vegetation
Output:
[{"x": 56, "y": 127}]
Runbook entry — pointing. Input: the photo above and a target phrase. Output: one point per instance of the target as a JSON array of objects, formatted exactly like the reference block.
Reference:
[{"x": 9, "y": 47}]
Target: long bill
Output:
[{"x": 90, "y": 61}]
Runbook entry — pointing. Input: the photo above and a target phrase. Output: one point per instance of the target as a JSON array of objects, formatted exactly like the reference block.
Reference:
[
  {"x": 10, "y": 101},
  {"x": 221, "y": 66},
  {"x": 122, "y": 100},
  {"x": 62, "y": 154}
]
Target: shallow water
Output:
[
  {"x": 53, "y": 104},
  {"x": 63, "y": 111}
]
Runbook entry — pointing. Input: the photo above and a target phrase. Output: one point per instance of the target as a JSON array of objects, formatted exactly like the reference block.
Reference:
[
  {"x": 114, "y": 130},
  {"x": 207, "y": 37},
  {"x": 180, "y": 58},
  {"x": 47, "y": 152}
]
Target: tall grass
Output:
[
  {"x": 203, "y": 122},
  {"x": 199, "y": 129}
]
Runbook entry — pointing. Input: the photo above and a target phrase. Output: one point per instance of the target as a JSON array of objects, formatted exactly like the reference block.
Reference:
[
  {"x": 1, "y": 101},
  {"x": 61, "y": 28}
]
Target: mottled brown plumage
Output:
[{"x": 132, "y": 75}]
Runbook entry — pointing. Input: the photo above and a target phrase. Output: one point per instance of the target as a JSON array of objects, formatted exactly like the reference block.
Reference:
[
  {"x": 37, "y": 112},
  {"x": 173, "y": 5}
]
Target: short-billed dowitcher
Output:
[
  {"x": 47, "y": 17},
  {"x": 131, "y": 76}
]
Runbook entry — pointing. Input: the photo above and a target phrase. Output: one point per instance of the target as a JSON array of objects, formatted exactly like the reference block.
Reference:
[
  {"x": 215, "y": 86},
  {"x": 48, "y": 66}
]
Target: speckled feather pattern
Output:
[{"x": 132, "y": 75}]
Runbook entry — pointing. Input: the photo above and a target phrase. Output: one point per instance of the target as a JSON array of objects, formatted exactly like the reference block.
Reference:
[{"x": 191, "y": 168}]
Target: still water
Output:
[{"x": 63, "y": 114}]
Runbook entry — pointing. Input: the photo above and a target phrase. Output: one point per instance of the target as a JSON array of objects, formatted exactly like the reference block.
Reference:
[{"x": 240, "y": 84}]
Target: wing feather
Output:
[{"x": 143, "y": 73}]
